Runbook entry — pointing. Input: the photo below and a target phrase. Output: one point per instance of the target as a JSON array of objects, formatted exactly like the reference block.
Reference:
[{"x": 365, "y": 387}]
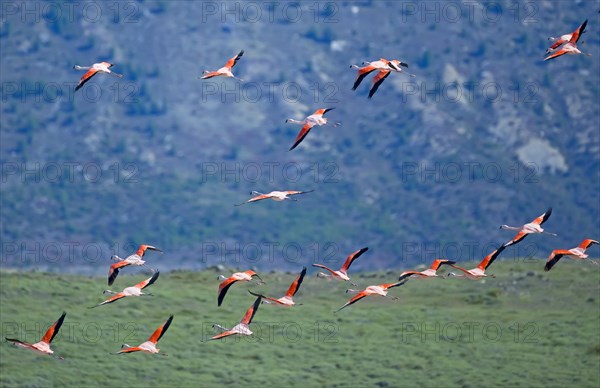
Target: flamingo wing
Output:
[
  {"x": 408, "y": 274},
  {"x": 355, "y": 299},
  {"x": 378, "y": 80},
  {"x": 231, "y": 63},
  {"x": 211, "y": 74},
  {"x": 555, "y": 45},
  {"x": 158, "y": 333},
  {"x": 114, "y": 298},
  {"x": 265, "y": 297},
  {"x": 223, "y": 335},
  {"x": 350, "y": 259},
  {"x": 85, "y": 78},
  {"x": 321, "y": 112},
  {"x": 53, "y": 330},
  {"x": 556, "y": 54},
  {"x": 577, "y": 33},
  {"x": 437, "y": 263},
  {"x": 301, "y": 135},
  {"x": 489, "y": 259},
  {"x": 587, "y": 243},
  {"x": 143, "y": 284},
  {"x": 294, "y": 192},
  {"x": 554, "y": 257},
  {"x": 362, "y": 73},
  {"x": 255, "y": 199},
  {"x": 130, "y": 350},
  {"x": 326, "y": 268},
  {"x": 18, "y": 343},
  {"x": 296, "y": 284},
  {"x": 392, "y": 285},
  {"x": 519, "y": 237},
  {"x": 465, "y": 271},
  {"x": 223, "y": 287},
  {"x": 113, "y": 271},
  {"x": 142, "y": 249},
  {"x": 544, "y": 217},
  {"x": 251, "y": 312}
]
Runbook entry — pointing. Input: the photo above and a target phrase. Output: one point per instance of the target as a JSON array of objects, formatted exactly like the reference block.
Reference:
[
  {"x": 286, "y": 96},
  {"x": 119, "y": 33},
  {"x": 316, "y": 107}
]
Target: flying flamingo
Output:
[
  {"x": 245, "y": 276},
  {"x": 102, "y": 67},
  {"x": 342, "y": 274},
  {"x": 381, "y": 289},
  {"x": 309, "y": 122},
  {"x": 565, "y": 38},
  {"x": 150, "y": 345},
  {"x": 242, "y": 327},
  {"x": 577, "y": 253},
  {"x": 430, "y": 272},
  {"x": 479, "y": 271},
  {"x": 286, "y": 300},
  {"x": 225, "y": 71},
  {"x": 43, "y": 346},
  {"x": 570, "y": 47},
  {"x": 532, "y": 227},
  {"x": 135, "y": 259},
  {"x": 274, "y": 195},
  {"x": 384, "y": 68},
  {"x": 130, "y": 291}
]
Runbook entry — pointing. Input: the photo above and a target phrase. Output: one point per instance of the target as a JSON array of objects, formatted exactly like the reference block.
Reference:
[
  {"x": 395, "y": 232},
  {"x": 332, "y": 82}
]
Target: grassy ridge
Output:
[{"x": 523, "y": 328}]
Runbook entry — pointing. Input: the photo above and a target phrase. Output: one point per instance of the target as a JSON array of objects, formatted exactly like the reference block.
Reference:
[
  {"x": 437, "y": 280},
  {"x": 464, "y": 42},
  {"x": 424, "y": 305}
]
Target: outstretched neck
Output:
[{"x": 294, "y": 121}]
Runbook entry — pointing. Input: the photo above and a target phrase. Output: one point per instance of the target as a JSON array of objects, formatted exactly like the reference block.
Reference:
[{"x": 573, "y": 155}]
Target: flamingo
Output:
[
  {"x": 479, "y": 271},
  {"x": 150, "y": 345},
  {"x": 569, "y": 46},
  {"x": 342, "y": 274},
  {"x": 242, "y": 327},
  {"x": 286, "y": 300},
  {"x": 130, "y": 291},
  {"x": 43, "y": 346},
  {"x": 532, "y": 227},
  {"x": 309, "y": 122},
  {"x": 274, "y": 195},
  {"x": 577, "y": 253},
  {"x": 245, "y": 276},
  {"x": 565, "y": 38},
  {"x": 381, "y": 289},
  {"x": 135, "y": 259},
  {"x": 102, "y": 67},
  {"x": 430, "y": 272},
  {"x": 384, "y": 68},
  {"x": 225, "y": 71}
]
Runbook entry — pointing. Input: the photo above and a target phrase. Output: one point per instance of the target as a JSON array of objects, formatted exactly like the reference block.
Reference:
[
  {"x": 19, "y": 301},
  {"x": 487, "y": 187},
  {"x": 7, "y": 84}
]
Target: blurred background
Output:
[{"x": 487, "y": 133}]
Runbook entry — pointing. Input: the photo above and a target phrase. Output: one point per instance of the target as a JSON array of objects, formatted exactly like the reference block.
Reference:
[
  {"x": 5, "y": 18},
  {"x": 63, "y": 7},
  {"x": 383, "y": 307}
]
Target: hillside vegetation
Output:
[{"x": 485, "y": 134}]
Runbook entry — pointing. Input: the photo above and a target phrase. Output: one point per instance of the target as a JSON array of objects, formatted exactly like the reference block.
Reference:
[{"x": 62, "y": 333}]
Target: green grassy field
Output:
[{"x": 523, "y": 328}]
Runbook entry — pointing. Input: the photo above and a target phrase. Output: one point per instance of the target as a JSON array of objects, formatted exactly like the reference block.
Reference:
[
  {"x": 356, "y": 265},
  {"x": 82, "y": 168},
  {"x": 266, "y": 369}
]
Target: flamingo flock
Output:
[{"x": 564, "y": 44}]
